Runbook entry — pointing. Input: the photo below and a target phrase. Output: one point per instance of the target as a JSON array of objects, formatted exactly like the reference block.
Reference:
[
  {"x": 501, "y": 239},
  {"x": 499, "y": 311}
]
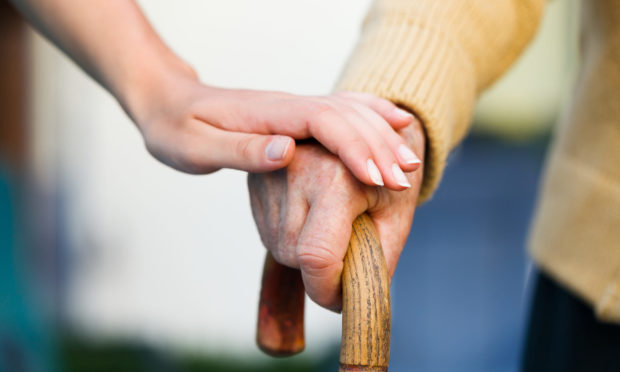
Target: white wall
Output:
[{"x": 172, "y": 258}]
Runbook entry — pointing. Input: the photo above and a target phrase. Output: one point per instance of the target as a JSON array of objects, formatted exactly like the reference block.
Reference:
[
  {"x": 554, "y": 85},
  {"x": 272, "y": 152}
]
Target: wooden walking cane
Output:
[{"x": 365, "y": 305}]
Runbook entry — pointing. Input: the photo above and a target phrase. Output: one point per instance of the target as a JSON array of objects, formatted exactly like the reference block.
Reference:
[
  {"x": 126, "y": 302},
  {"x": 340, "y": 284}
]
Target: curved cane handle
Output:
[
  {"x": 365, "y": 311},
  {"x": 280, "y": 329}
]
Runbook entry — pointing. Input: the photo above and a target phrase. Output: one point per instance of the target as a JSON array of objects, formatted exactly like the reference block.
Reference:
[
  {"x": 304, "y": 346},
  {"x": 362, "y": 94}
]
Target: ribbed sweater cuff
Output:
[{"x": 402, "y": 59}]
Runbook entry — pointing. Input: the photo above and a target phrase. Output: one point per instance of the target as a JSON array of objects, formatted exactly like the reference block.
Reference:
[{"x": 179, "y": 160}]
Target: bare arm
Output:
[
  {"x": 111, "y": 40},
  {"x": 197, "y": 128}
]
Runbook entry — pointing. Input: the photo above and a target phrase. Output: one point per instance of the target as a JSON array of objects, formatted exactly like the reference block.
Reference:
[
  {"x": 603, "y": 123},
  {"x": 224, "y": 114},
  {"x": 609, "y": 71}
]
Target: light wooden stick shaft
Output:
[
  {"x": 365, "y": 302},
  {"x": 365, "y": 311}
]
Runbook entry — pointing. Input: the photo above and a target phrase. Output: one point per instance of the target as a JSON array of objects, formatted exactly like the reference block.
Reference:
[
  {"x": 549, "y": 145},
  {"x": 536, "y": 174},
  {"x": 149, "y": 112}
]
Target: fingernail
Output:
[
  {"x": 276, "y": 149},
  {"x": 407, "y": 155},
  {"x": 403, "y": 114},
  {"x": 401, "y": 179},
  {"x": 374, "y": 173}
]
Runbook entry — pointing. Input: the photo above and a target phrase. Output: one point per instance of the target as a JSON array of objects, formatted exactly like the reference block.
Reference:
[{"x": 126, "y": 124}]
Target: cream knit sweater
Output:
[{"x": 436, "y": 56}]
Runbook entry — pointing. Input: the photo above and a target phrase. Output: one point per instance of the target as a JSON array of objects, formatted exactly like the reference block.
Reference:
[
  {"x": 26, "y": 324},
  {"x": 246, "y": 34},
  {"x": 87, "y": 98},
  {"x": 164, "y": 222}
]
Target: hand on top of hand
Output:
[
  {"x": 304, "y": 214},
  {"x": 199, "y": 129}
]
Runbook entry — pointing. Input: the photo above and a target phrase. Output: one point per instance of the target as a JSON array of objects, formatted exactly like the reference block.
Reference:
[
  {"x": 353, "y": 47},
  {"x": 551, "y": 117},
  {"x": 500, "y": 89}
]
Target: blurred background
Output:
[{"x": 109, "y": 261}]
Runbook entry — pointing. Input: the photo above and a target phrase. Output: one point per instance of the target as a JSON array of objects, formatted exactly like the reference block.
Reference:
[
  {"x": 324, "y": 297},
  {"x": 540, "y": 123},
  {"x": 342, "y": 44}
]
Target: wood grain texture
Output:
[
  {"x": 366, "y": 302},
  {"x": 365, "y": 313},
  {"x": 280, "y": 330}
]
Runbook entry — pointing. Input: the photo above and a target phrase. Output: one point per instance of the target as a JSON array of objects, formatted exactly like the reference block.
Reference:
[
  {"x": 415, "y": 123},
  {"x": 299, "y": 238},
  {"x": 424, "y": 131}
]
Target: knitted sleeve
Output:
[{"x": 434, "y": 57}]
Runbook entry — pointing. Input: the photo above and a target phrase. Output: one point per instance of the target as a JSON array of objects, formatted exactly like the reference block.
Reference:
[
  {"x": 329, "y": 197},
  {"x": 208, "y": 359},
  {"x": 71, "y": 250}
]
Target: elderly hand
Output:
[{"x": 304, "y": 214}]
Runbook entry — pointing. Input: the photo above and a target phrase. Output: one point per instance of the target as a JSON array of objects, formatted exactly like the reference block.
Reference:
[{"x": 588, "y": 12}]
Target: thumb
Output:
[{"x": 250, "y": 152}]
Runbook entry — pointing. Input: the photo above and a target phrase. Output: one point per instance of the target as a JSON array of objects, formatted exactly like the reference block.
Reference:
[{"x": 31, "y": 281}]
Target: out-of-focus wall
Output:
[
  {"x": 525, "y": 102},
  {"x": 153, "y": 253},
  {"x": 172, "y": 258}
]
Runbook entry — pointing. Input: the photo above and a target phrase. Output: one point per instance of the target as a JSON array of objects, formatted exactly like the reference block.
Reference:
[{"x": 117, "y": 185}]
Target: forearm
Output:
[{"x": 111, "y": 40}]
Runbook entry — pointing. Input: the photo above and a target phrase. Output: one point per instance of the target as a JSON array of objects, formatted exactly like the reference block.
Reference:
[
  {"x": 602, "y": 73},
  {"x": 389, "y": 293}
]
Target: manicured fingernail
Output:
[
  {"x": 402, "y": 114},
  {"x": 407, "y": 155},
  {"x": 374, "y": 173},
  {"x": 276, "y": 149},
  {"x": 401, "y": 179}
]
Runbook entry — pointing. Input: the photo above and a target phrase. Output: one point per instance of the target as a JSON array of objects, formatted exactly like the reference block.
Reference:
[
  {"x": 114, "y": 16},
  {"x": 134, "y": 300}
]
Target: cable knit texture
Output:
[{"x": 435, "y": 57}]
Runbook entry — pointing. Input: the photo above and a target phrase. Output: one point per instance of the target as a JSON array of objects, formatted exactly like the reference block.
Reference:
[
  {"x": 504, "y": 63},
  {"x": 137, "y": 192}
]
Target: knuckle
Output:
[
  {"x": 319, "y": 109},
  {"x": 321, "y": 118},
  {"x": 243, "y": 148},
  {"x": 288, "y": 239},
  {"x": 285, "y": 254},
  {"x": 267, "y": 234},
  {"x": 285, "y": 247},
  {"x": 357, "y": 142},
  {"x": 284, "y": 257},
  {"x": 337, "y": 181},
  {"x": 341, "y": 181},
  {"x": 355, "y": 146},
  {"x": 316, "y": 257},
  {"x": 375, "y": 198}
]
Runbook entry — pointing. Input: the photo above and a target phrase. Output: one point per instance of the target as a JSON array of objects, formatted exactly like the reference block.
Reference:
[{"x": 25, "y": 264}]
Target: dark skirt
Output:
[{"x": 564, "y": 334}]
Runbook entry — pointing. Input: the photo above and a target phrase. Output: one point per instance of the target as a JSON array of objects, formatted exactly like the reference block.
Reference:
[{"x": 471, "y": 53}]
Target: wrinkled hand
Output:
[{"x": 304, "y": 214}]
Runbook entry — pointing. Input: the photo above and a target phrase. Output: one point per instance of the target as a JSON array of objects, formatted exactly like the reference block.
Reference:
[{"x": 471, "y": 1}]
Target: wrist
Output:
[{"x": 143, "y": 86}]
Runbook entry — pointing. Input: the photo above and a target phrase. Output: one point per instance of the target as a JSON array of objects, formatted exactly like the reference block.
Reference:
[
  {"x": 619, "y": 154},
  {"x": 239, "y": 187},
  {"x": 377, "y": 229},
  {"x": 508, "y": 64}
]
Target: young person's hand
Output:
[{"x": 200, "y": 129}]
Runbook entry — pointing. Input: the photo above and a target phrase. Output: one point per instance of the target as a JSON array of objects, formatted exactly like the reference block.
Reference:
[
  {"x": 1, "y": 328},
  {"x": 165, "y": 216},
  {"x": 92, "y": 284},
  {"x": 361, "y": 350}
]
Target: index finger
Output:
[
  {"x": 394, "y": 115},
  {"x": 321, "y": 248}
]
